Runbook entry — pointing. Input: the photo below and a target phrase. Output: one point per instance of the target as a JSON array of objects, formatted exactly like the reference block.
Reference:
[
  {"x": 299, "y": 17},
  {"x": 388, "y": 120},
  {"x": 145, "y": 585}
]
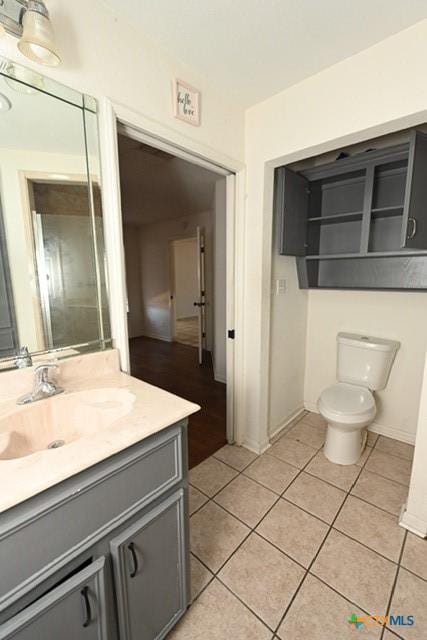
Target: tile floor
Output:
[{"x": 287, "y": 545}]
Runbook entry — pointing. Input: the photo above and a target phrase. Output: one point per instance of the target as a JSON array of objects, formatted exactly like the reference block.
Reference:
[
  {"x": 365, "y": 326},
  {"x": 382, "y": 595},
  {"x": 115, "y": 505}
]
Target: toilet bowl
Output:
[
  {"x": 363, "y": 366},
  {"x": 348, "y": 410}
]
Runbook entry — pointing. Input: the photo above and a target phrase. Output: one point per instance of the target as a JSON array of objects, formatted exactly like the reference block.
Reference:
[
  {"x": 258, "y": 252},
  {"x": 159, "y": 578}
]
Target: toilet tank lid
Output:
[{"x": 367, "y": 342}]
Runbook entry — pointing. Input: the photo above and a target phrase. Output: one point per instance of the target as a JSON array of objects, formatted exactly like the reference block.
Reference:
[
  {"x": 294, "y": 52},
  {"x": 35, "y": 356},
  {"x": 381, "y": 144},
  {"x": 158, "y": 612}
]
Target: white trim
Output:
[
  {"x": 158, "y": 336},
  {"x": 113, "y": 230},
  {"x": 163, "y": 137},
  {"x": 412, "y": 523},
  {"x": 288, "y": 423}
]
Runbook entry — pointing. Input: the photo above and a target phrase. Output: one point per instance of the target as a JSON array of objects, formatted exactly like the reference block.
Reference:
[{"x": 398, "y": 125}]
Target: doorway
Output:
[{"x": 174, "y": 236}]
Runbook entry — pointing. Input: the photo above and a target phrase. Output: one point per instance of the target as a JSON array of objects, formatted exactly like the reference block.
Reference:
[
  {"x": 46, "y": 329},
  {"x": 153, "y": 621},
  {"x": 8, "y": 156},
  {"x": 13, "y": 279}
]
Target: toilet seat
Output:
[{"x": 347, "y": 404}]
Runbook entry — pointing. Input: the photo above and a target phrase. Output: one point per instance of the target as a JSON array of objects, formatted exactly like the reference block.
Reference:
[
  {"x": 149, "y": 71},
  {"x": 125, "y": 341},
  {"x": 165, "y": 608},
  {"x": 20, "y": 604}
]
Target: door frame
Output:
[
  {"x": 172, "y": 291},
  {"x": 113, "y": 116}
]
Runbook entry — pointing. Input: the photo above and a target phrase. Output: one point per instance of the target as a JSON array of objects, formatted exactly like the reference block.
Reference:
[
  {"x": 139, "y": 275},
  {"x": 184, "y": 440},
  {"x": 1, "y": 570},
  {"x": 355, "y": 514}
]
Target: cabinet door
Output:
[
  {"x": 149, "y": 568},
  {"x": 414, "y": 227},
  {"x": 291, "y": 199},
  {"x": 73, "y": 611}
]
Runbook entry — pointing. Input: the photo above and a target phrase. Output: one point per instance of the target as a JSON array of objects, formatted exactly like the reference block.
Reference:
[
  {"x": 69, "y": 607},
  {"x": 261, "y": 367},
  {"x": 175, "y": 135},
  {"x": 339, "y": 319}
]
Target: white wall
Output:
[
  {"x": 185, "y": 270},
  {"x": 219, "y": 353},
  {"x": 133, "y": 280},
  {"x": 104, "y": 55},
  {"x": 394, "y": 315},
  {"x": 366, "y": 95},
  {"x": 155, "y": 256}
]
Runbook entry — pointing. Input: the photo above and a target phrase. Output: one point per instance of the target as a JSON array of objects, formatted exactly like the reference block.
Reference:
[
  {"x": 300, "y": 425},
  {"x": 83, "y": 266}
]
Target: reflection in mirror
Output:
[{"x": 52, "y": 267}]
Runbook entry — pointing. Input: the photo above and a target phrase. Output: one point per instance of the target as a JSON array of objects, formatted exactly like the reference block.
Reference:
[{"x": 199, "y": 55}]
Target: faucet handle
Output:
[{"x": 41, "y": 371}]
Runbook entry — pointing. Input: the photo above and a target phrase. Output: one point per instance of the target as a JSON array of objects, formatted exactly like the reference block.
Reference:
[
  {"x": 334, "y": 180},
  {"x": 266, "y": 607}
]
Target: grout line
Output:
[
  {"x": 395, "y": 579},
  {"x": 253, "y": 530},
  {"x": 372, "y": 504},
  {"x": 322, "y": 544}
]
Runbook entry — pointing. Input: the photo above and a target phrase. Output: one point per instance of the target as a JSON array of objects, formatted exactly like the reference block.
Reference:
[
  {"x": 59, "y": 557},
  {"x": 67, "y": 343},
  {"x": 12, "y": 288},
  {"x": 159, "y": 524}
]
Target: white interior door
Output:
[{"x": 201, "y": 302}]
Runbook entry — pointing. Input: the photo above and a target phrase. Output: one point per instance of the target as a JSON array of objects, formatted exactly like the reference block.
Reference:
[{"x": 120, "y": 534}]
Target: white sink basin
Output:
[{"x": 60, "y": 420}]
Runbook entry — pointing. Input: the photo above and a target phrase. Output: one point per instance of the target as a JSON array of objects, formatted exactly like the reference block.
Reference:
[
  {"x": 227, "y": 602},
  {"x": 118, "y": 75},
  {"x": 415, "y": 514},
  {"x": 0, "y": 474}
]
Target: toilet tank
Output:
[{"x": 365, "y": 361}]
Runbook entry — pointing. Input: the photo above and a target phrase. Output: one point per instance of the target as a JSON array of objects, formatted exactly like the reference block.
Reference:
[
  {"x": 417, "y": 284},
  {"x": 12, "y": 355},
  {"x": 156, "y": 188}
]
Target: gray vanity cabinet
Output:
[
  {"x": 104, "y": 551},
  {"x": 149, "y": 567},
  {"x": 359, "y": 222},
  {"x": 75, "y": 610}
]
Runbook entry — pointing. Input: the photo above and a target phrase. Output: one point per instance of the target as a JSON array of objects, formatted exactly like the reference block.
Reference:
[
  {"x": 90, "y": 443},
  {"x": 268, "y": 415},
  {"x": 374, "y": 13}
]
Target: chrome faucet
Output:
[
  {"x": 43, "y": 388},
  {"x": 23, "y": 358}
]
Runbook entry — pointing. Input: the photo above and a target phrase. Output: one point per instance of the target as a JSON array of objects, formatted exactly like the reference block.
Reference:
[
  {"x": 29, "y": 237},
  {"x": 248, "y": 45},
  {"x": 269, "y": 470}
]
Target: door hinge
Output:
[
  {"x": 231, "y": 334},
  {"x": 202, "y": 249},
  {"x": 204, "y": 334}
]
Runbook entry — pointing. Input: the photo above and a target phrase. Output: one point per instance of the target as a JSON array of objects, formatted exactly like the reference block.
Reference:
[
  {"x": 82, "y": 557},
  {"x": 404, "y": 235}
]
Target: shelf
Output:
[
  {"x": 338, "y": 217},
  {"x": 386, "y": 212},
  {"x": 371, "y": 254}
]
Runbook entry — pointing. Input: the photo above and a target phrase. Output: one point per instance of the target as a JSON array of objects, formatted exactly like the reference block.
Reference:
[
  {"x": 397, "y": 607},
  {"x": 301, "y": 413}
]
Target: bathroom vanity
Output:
[{"x": 94, "y": 534}]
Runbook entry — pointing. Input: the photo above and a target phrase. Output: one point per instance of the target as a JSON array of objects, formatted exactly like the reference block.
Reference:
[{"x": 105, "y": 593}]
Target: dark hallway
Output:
[{"x": 174, "y": 367}]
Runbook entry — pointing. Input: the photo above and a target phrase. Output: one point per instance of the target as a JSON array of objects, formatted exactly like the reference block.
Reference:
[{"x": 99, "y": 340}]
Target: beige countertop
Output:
[{"x": 148, "y": 411}]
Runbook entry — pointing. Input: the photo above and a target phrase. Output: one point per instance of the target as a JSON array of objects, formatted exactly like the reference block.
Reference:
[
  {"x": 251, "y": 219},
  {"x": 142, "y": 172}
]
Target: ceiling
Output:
[
  {"x": 253, "y": 49},
  {"x": 157, "y": 186}
]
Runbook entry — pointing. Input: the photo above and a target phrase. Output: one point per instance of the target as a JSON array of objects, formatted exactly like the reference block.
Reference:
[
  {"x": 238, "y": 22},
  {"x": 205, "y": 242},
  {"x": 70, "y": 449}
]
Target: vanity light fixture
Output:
[{"x": 29, "y": 21}]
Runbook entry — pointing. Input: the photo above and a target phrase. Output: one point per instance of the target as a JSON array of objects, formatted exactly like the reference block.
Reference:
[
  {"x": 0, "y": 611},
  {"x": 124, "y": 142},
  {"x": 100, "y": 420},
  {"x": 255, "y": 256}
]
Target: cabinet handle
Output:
[
  {"x": 412, "y": 233},
  {"x": 86, "y": 607},
  {"x": 134, "y": 571}
]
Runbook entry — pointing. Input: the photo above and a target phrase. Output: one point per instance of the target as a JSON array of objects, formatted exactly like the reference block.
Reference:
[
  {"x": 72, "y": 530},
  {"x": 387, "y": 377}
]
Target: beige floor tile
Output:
[
  {"x": 415, "y": 555},
  {"x": 294, "y": 531},
  {"x": 236, "y": 457},
  {"x": 358, "y": 573},
  {"x": 315, "y": 496},
  {"x": 246, "y": 499},
  {"x": 372, "y": 438},
  {"x": 342, "y": 476},
  {"x": 218, "y": 615},
  {"x": 314, "y": 419},
  {"x": 200, "y": 577},
  {"x": 307, "y": 434},
  {"x": 395, "y": 448},
  {"x": 211, "y": 475},
  {"x": 410, "y": 598},
  {"x": 271, "y": 472},
  {"x": 365, "y": 455},
  {"x": 288, "y": 450},
  {"x": 391, "y": 467},
  {"x": 196, "y": 499},
  {"x": 388, "y": 635},
  {"x": 371, "y": 526},
  {"x": 214, "y": 535},
  {"x": 383, "y": 493},
  {"x": 263, "y": 578},
  {"x": 319, "y": 613}
]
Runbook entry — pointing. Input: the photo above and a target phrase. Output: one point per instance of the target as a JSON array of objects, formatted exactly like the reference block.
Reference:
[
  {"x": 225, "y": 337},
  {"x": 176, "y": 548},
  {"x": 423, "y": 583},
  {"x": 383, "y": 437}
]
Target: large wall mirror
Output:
[{"x": 52, "y": 268}]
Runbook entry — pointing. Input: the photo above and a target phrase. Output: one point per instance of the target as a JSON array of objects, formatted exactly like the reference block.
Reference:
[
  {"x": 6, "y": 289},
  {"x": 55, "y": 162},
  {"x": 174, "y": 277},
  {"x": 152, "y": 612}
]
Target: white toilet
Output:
[{"x": 363, "y": 366}]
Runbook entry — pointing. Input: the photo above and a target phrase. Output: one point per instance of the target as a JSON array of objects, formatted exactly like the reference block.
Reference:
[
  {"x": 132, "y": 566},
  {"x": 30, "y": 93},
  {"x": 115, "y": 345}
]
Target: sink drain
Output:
[{"x": 56, "y": 444}]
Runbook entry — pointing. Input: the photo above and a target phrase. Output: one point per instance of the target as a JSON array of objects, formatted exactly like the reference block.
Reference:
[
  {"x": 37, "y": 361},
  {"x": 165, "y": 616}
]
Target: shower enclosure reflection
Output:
[{"x": 52, "y": 267}]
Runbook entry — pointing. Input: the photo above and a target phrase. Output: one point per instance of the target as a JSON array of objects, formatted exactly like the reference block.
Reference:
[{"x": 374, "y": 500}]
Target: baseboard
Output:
[
  {"x": 287, "y": 424},
  {"x": 253, "y": 446},
  {"x": 412, "y": 523},
  {"x": 156, "y": 336},
  {"x": 391, "y": 432},
  {"x": 375, "y": 427}
]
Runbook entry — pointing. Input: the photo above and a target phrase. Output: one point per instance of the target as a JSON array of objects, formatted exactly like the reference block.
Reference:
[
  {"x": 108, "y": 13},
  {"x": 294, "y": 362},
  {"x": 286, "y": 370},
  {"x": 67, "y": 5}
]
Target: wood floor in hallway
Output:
[{"x": 175, "y": 368}]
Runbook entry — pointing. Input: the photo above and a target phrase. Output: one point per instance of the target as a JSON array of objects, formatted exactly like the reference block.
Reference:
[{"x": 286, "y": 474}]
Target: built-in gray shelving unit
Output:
[{"x": 358, "y": 222}]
